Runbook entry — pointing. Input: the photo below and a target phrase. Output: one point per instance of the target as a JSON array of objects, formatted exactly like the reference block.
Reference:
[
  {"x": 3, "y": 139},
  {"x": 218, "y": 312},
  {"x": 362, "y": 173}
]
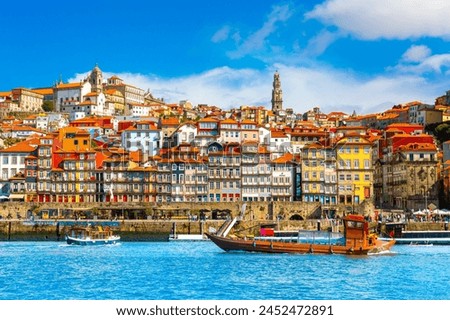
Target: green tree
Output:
[
  {"x": 442, "y": 132},
  {"x": 48, "y": 106}
]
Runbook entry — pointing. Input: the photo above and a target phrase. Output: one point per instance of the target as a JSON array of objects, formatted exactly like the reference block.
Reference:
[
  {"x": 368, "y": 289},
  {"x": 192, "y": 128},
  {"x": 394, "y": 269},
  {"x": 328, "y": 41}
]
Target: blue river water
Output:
[{"x": 200, "y": 270}]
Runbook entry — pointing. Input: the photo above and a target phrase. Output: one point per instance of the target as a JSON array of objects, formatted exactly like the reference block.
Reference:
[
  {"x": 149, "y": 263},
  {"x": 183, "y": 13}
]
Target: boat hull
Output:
[
  {"x": 228, "y": 244},
  {"x": 92, "y": 242}
]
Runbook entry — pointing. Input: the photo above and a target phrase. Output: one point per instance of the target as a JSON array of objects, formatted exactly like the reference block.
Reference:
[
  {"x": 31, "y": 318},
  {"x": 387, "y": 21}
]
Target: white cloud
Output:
[
  {"x": 438, "y": 63},
  {"x": 303, "y": 88},
  {"x": 416, "y": 53},
  {"x": 318, "y": 44},
  {"x": 388, "y": 19},
  {"x": 221, "y": 34},
  {"x": 257, "y": 40},
  {"x": 337, "y": 90},
  {"x": 418, "y": 59}
]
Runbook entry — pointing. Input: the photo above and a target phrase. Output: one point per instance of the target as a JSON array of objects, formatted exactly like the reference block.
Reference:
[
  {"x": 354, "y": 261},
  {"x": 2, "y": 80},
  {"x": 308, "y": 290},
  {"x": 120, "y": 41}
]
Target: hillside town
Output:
[{"x": 105, "y": 141}]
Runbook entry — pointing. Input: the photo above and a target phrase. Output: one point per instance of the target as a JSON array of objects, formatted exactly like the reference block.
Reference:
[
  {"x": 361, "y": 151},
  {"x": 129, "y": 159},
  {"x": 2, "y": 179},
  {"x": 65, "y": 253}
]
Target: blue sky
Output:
[{"x": 340, "y": 55}]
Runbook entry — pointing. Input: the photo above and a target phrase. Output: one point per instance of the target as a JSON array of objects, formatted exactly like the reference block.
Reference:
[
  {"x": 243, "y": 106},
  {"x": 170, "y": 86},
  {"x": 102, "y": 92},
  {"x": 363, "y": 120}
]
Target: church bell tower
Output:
[
  {"x": 96, "y": 79},
  {"x": 277, "y": 94}
]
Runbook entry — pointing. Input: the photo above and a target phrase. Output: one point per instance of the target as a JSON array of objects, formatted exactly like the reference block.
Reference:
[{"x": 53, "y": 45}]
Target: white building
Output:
[
  {"x": 282, "y": 178},
  {"x": 68, "y": 96},
  {"x": 144, "y": 136},
  {"x": 186, "y": 133},
  {"x": 12, "y": 161}
]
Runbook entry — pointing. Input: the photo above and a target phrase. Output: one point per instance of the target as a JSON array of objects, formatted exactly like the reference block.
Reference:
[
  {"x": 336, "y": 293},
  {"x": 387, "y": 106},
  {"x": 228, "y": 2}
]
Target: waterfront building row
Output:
[{"x": 345, "y": 167}]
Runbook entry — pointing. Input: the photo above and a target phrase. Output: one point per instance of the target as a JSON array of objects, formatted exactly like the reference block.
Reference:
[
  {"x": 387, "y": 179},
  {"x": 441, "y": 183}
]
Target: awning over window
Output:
[{"x": 16, "y": 196}]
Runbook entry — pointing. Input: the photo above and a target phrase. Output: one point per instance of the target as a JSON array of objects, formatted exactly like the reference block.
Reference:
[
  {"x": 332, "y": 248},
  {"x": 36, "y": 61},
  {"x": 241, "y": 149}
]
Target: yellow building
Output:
[
  {"x": 313, "y": 172},
  {"x": 354, "y": 169}
]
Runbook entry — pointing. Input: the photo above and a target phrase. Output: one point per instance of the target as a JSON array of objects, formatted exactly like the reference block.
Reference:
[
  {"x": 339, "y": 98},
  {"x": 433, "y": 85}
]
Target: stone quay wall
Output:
[
  {"x": 156, "y": 220},
  {"x": 145, "y": 230},
  {"x": 258, "y": 210}
]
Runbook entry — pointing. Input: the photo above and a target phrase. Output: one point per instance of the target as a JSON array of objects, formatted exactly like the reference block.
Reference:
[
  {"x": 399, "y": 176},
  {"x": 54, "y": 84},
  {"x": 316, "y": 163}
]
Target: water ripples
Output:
[{"x": 199, "y": 270}]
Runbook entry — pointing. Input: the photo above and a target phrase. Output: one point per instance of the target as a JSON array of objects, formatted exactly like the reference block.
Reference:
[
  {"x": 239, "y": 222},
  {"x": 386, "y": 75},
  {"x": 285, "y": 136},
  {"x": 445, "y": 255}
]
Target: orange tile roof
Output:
[
  {"x": 170, "y": 121},
  {"x": 23, "y": 146},
  {"x": 25, "y": 128},
  {"x": 415, "y": 146},
  {"x": 278, "y": 134},
  {"x": 208, "y": 120},
  {"x": 44, "y": 91},
  {"x": 388, "y": 116},
  {"x": 87, "y": 103},
  {"x": 262, "y": 150},
  {"x": 287, "y": 157},
  {"x": 337, "y": 113},
  {"x": 111, "y": 91},
  {"x": 68, "y": 85},
  {"x": 229, "y": 120}
]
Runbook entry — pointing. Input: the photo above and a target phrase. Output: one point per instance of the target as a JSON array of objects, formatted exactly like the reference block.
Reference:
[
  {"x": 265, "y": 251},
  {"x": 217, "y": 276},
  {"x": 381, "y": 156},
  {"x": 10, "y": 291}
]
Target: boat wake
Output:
[{"x": 382, "y": 253}]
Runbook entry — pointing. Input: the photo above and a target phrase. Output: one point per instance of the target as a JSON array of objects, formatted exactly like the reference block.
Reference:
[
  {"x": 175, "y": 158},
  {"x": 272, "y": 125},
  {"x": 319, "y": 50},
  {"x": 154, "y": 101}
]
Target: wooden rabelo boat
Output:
[
  {"x": 89, "y": 235},
  {"x": 356, "y": 240}
]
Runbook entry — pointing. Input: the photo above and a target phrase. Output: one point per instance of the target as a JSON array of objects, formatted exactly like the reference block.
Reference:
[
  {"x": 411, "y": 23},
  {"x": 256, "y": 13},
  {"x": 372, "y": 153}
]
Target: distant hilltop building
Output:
[
  {"x": 277, "y": 94},
  {"x": 96, "y": 96}
]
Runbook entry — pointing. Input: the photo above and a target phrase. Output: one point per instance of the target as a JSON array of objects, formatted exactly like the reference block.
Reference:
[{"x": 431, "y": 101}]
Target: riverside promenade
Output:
[{"x": 159, "y": 230}]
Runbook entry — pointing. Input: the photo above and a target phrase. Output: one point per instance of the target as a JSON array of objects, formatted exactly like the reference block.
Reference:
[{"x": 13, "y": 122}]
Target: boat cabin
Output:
[
  {"x": 356, "y": 231},
  {"x": 90, "y": 232}
]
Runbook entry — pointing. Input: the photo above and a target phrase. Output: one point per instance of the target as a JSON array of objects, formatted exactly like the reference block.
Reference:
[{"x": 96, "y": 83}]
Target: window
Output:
[
  {"x": 348, "y": 164},
  {"x": 366, "y": 164}
]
